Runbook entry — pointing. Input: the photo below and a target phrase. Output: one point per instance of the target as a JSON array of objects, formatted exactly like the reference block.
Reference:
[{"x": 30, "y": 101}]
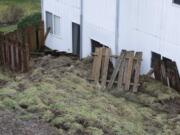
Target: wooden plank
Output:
[
  {"x": 93, "y": 72},
  {"x": 96, "y": 69},
  {"x": 47, "y": 33},
  {"x": 116, "y": 70},
  {"x": 17, "y": 57},
  {"x": 1, "y": 57},
  {"x": 128, "y": 69},
  {"x": 9, "y": 50},
  {"x": 0, "y": 49},
  {"x": 169, "y": 72},
  {"x": 98, "y": 66},
  {"x": 3, "y": 50},
  {"x": 102, "y": 61},
  {"x": 7, "y": 53},
  {"x": 26, "y": 58},
  {"x": 105, "y": 67},
  {"x": 12, "y": 58},
  {"x": 138, "y": 55},
  {"x": 41, "y": 36},
  {"x": 32, "y": 39},
  {"x": 121, "y": 75},
  {"x": 22, "y": 59},
  {"x": 176, "y": 76},
  {"x": 156, "y": 65},
  {"x": 163, "y": 73},
  {"x": 13, "y": 52}
]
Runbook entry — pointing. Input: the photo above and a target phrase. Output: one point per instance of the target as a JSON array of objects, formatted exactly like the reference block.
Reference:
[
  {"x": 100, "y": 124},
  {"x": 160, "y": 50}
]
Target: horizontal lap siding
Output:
[
  {"x": 98, "y": 23},
  {"x": 68, "y": 11},
  {"x": 150, "y": 25}
]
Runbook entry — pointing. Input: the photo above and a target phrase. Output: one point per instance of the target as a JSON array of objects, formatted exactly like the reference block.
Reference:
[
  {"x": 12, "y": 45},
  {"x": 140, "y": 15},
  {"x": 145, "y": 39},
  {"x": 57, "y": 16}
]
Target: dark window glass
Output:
[
  {"x": 49, "y": 22},
  {"x": 177, "y": 1}
]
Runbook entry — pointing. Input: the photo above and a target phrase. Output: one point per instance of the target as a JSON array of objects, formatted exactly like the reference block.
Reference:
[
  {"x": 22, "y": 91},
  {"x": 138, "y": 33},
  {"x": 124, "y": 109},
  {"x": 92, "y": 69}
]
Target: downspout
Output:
[
  {"x": 42, "y": 10},
  {"x": 117, "y": 28},
  {"x": 81, "y": 29}
]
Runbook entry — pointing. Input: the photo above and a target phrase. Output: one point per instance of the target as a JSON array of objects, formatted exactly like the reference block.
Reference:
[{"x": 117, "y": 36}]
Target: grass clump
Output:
[
  {"x": 5, "y": 92},
  {"x": 12, "y": 11},
  {"x": 31, "y": 20},
  {"x": 74, "y": 106},
  {"x": 8, "y": 28},
  {"x": 10, "y": 103}
]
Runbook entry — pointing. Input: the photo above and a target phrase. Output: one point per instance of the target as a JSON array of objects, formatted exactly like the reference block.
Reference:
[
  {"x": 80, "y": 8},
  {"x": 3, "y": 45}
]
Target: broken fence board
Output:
[
  {"x": 105, "y": 67},
  {"x": 137, "y": 67},
  {"x": 97, "y": 65},
  {"x": 121, "y": 75},
  {"x": 116, "y": 70},
  {"x": 128, "y": 69}
]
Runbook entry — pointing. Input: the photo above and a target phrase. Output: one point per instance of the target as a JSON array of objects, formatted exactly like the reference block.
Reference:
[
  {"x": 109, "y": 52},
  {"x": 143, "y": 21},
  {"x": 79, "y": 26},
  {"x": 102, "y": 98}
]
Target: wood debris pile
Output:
[
  {"x": 126, "y": 71},
  {"x": 165, "y": 70}
]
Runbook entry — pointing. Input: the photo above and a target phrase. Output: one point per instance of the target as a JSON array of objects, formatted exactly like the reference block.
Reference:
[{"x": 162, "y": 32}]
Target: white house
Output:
[{"x": 140, "y": 25}]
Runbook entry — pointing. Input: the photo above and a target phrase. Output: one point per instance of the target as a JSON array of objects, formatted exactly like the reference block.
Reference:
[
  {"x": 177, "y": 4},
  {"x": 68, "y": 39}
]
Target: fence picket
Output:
[{"x": 15, "y": 47}]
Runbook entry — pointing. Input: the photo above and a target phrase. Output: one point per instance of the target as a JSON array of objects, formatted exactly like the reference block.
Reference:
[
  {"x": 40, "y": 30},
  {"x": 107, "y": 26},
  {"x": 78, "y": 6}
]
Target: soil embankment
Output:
[{"x": 56, "y": 97}]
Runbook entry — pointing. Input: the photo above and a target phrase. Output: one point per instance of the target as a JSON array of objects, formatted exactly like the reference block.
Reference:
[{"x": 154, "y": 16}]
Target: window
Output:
[
  {"x": 53, "y": 22},
  {"x": 49, "y": 22},
  {"x": 176, "y": 2},
  {"x": 57, "y": 25}
]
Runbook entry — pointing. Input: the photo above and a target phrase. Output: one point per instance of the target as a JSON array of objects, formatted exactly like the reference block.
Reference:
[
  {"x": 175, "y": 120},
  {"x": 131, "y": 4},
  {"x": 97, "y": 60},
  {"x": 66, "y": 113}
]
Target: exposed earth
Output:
[
  {"x": 12, "y": 125},
  {"x": 56, "y": 98}
]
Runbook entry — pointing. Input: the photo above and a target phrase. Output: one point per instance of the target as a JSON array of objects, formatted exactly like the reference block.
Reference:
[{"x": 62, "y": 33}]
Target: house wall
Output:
[
  {"x": 150, "y": 25},
  {"x": 98, "y": 23},
  {"x": 68, "y": 11},
  {"x": 144, "y": 25}
]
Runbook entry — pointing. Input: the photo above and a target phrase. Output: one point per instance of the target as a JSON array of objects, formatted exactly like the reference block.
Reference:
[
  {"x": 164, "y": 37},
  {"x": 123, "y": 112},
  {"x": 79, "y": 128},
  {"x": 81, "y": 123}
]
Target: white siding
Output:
[
  {"x": 145, "y": 25},
  {"x": 98, "y": 23},
  {"x": 68, "y": 11},
  {"x": 150, "y": 25}
]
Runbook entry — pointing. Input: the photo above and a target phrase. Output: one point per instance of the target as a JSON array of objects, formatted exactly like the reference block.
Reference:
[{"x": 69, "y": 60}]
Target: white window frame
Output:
[
  {"x": 53, "y": 25},
  {"x": 59, "y": 35}
]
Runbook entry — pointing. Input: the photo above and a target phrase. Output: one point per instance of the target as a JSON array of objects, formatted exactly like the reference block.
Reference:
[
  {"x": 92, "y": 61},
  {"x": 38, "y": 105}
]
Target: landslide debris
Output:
[{"x": 56, "y": 91}]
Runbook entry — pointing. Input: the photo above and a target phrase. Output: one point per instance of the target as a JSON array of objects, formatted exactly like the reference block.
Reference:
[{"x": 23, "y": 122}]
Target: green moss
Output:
[
  {"x": 7, "y": 92},
  {"x": 30, "y": 98},
  {"x": 63, "y": 119},
  {"x": 3, "y": 76},
  {"x": 8, "y": 28},
  {"x": 128, "y": 128},
  {"x": 1, "y": 105},
  {"x": 31, "y": 20},
  {"x": 9, "y": 103},
  {"x": 74, "y": 106},
  {"x": 94, "y": 131},
  {"x": 158, "y": 90},
  {"x": 29, "y": 6},
  {"x": 47, "y": 115}
]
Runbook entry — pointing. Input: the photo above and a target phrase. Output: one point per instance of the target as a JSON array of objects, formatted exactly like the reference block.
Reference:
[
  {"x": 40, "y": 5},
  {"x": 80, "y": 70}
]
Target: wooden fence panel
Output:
[
  {"x": 14, "y": 55},
  {"x": 41, "y": 38},
  {"x": 15, "y": 47}
]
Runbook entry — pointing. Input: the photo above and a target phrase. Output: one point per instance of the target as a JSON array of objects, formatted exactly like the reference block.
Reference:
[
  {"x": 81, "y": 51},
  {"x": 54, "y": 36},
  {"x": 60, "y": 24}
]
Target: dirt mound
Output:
[{"x": 56, "y": 91}]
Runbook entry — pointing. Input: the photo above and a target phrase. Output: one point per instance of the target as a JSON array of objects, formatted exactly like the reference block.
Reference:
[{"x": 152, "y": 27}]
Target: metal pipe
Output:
[
  {"x": 42, "y": 9},
  {"x": 117, "y": 27},
  {"x": 81, "y": 29}
]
